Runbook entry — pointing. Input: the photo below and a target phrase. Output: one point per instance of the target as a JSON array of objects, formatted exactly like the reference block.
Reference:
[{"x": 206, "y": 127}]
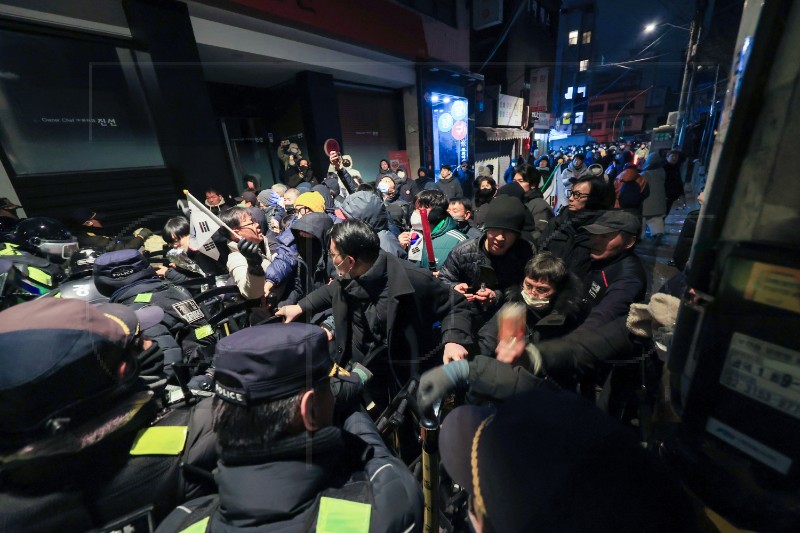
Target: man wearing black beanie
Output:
[{"x": 483, "y": 268}]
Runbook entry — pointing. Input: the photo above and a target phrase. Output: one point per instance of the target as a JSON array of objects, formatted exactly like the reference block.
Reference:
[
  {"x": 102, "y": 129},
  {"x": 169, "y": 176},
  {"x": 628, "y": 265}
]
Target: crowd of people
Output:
[{"x": 127, "y": 398}]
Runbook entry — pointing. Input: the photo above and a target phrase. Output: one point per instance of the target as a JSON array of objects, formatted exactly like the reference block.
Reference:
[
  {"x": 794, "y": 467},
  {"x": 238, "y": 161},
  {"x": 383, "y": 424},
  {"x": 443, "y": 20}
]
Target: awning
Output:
[{"x": 504, "y": 134}]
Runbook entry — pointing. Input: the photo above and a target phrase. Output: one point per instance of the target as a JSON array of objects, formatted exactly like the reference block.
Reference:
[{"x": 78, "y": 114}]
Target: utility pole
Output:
[{"x": 694, "y": 38}]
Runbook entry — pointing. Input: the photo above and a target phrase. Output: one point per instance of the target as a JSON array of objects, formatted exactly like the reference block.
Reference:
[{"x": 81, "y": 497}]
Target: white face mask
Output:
[
  {"x": 342, "y": 275},
  {"x": 416, "y": 220},
  {"x": 401, "y": 174},
  {"x": 383, "y": 187},
  {"x": 533, "y": 303}
]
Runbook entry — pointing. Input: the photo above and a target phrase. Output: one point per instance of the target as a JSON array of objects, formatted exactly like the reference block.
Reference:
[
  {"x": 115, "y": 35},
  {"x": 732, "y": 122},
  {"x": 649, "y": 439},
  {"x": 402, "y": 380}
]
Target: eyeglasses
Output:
[
  {"x": 303, "y": 210},
  {"x": 577, "y": 195},
  {"x": 251, "y": 223},
  {"x": 542, "y": 290}
]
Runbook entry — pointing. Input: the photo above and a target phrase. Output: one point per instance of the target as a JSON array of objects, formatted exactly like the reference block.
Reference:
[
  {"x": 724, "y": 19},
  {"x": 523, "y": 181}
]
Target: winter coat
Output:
[
  {"x": 566, "y": 312},
  {"x": 450, "y": 187},
  {"x": 673, "y": 183},
  {"x": 465, "y": 178},
  {"x": 366, "y": 206},
  {"x": 312, "y": 262},
  {"x": 415, "y": 301},
  {"x": 165, "y": 295},
  {"x": 563, "y": 238},
  {"x": 385, "y": 174},
  {"x": 90, "y": 479},
  {"x": 279, "y": 489},
  {"x": 251, "y": 286},
  {"x": 445, "y": 237},
  {"x": 656, "y": 202},
  {"x": 610, "y": 289},
  {"x": 631, "y": 189},
  {"x": 540, "y": 210},
  {"x": 406, "y": 189},
  {"x": 683, "y": 248},
  {"x": 463, "y": 265},
  {"x": 569, "y": 174}
]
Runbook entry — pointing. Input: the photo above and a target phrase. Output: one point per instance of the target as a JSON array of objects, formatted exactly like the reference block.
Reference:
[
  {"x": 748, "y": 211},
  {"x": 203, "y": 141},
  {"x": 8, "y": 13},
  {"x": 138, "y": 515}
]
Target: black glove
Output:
[
  {"x": 250, "y": 252},
  {"x": 438, "y": 382}
]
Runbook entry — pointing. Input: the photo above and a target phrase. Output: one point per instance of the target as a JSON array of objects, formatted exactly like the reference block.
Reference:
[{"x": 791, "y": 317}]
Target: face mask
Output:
[
  {"x": 401, "y": 174},
  {"x": 346, "y": 162},
  {"x": 341, "y": 275},
  {"x": 458, "y": 219},
  {"x": 292, "y": 163},
  {"x": 383, "y": 187},
  {"x": 240, "y": 204},
  {"x": 533, "y": 303},
  {"x": 303, "y": 168},
  {"x": 416, "y": 221}
]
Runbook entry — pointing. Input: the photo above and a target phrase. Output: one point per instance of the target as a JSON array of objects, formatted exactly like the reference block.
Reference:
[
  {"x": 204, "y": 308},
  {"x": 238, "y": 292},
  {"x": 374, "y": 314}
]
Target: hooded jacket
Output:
[
  {"x": 569, "y": 173},
  {"x": 385, "y": 173},
  {"x": 312, "y": 262},
  {"x": 366, "y": 206}
]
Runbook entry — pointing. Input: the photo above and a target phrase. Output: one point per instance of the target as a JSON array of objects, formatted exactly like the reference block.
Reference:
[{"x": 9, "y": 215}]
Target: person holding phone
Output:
[{"x": 483, "y": 268}]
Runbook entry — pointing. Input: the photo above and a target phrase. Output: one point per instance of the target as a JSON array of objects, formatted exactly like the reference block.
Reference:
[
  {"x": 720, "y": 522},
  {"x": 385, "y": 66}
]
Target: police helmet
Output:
[
  {"x": 46, "y": 237},
  {"x": 82, "y": 262}
]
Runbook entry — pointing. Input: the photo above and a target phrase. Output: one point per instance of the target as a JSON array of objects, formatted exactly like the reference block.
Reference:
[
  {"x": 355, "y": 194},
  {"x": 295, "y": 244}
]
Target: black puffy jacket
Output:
[
  {"x": 563, "y": 238},
  {"x": 463, "y": 265}
]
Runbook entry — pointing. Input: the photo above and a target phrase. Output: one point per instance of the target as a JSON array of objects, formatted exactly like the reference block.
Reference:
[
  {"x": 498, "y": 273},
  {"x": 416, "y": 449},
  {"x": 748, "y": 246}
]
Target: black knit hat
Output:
[
  {"x": 509, "y": 213},
  {"x": 114, "y": 270}
]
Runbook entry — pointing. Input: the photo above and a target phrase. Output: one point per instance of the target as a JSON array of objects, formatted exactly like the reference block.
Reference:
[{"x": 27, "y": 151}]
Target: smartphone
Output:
[{"x": 487, "y": 279}]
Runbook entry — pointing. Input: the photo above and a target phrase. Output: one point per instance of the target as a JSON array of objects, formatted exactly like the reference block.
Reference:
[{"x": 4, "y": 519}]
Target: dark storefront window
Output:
[{"x": 69, "y": 105}]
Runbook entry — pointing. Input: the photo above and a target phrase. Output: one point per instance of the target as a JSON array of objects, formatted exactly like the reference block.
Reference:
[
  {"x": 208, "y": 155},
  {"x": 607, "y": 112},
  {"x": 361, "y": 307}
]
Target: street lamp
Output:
[
  {"x": 677, "y": 140},
  {"x": 650, "y": 28}
]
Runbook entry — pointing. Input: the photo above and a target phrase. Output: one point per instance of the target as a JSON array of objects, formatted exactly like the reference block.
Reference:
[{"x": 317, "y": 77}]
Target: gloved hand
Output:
[
  {"x": 436, "y": 383},
  {"x": 144, "y": 233},
  {"x": 250, "y": 251}
]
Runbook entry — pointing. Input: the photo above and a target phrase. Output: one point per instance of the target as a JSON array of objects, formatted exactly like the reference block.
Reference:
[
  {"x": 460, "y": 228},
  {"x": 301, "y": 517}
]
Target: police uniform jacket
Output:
[{"x": 279, "y": 490}]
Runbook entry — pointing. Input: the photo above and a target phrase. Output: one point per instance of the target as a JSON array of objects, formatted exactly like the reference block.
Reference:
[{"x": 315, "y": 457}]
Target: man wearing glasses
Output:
[
  {"x": 562, "y": 236},
  {"x": 246, "y": 263}
]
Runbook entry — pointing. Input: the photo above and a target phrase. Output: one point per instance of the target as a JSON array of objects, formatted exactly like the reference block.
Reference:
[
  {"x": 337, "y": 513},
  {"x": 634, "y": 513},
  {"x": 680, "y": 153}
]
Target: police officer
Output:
[
  {"x": 284, "y": 465},
  {"x": 77, "y": 449}
]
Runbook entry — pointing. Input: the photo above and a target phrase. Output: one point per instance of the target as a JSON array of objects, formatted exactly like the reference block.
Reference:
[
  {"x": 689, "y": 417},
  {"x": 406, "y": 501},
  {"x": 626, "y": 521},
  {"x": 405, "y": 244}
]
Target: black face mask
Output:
[
  {"x": 485, "y": 193},
  {"x": 303, "y": 168},
  {"x": 346, "y": 163}
]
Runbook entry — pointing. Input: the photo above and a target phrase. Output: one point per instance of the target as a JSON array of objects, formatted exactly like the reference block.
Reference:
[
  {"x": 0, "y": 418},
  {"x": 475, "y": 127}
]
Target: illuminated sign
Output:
[{"x": 450, "y": 132}]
